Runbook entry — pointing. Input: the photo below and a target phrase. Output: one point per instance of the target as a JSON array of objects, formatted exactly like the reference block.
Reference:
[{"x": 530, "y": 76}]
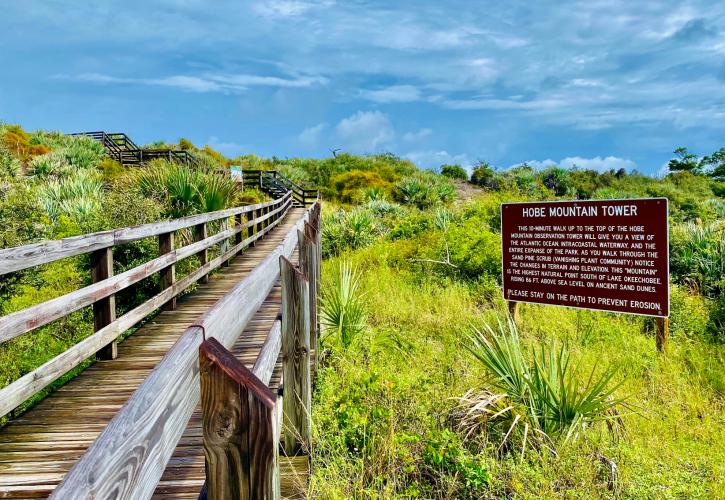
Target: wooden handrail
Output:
[
  {"x": 35, "y": 254},
  {"x": 130, "y": 455},
  {"x": 107, "y": 285}
]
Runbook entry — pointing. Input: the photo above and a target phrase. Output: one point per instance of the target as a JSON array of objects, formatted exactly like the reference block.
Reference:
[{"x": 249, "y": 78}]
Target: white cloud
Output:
[
  {"x": 311, "y": 135},
  {"x": 417, "y": 135},
  {"x": 433, "y": 159},
  {"x": 365, "y": 132},
  {"x": 394, "y": 93},
  {"x": 288, "y": 8},
  {"x": 597, "y": 163},
  {"x": 209, "y": 82},
  {"x": 227, "y": 148}
]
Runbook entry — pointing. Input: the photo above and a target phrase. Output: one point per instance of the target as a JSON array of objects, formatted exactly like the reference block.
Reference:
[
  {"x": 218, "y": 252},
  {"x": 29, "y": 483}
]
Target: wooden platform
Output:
[{"x": 37, "y": 449}]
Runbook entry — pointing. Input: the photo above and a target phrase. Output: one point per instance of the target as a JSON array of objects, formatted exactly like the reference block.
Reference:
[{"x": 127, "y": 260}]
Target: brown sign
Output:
[{"x": 611, "y": 255}]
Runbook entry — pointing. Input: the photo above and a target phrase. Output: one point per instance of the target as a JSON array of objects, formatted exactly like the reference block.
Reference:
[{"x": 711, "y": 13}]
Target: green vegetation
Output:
[
  {"x": 53, "y": 186},
  {"x": 416, "y": 396},
  {"x": 571, "y": 403}
]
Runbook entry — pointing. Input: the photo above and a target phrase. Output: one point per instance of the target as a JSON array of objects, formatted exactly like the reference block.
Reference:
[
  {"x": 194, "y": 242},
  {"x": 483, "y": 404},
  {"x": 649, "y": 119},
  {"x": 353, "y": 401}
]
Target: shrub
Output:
[
  {"x": 184, "y": 190},
  {"x": 343, "y": 306},
  {"x": 698, "y": 256},
  {"x": 541, "y": 402},
  {"x": 49, "y": 164},
  {"x": 10, "y": 166},
  {"x": 454, "y": 172},
  {"x": 349, "y": 184},
  {"x": 424, "y": 190},
  {"x": 482, "y": 175},
  {"x": 559, "y": 181},
  {"x": 344, "y": 230},
  {"x": 78, "y": 196}
]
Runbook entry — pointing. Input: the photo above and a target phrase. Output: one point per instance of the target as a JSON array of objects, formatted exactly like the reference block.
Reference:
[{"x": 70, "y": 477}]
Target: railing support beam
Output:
[
  {"x": 104, "y": 310},
  {"x": 200, "y": 234},
  {"x": 168, "y": 274},
  {"x": 297, "y": 395}
]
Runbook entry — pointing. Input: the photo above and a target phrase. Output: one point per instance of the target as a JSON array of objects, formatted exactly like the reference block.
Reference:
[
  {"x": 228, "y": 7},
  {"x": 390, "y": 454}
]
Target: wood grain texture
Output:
[
  {"x": 296, "y": 356},
  {"x": 200, "y": 235},
  {"x": 167, "y": 275},
  {"x": 18, "y": 258},
  {"x": 308, "y": 265},
  {"x": 104, "y": 310},
  {"x": 18, "y": 391},
  {"x": 41, "y": 314},
  {"x": 129, "y": 456},
  {"x": 238, "y": 420}
]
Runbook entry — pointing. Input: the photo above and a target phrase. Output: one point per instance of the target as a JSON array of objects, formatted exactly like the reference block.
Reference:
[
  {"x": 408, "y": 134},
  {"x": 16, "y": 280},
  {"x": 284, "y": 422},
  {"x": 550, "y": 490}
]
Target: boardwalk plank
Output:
[{"x": 38, "y": 448}]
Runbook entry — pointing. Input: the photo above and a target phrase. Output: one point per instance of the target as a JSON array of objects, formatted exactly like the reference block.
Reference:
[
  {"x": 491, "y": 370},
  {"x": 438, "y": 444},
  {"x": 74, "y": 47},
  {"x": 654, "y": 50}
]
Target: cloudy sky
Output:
[{"x": 595, "y": 83}]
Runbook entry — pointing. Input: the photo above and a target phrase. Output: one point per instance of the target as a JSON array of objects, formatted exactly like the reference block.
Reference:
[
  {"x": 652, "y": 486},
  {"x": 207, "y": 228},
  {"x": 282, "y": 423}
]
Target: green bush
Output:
[
  {"x": 348, "y": 185},
  {"x": 454, "y": 172},
  {"x": 483, "y": 175},
  {"x": 424, "y": 190},
  {"x": 343, "y": 306}
]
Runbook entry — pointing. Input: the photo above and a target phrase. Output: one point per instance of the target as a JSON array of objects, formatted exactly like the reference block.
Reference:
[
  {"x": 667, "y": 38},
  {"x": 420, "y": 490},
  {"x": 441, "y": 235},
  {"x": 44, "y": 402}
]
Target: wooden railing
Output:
[
  {"x": 250, "y": 223},
  {"x": 272, "y": 182},
  {"x": 241, "y": 416},
  {"x": 121, "y": 148}
]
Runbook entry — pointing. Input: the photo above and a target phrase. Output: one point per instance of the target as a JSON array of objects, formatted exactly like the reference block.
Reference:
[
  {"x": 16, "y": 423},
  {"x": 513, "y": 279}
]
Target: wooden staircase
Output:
[{"x": 121, "y": 148}]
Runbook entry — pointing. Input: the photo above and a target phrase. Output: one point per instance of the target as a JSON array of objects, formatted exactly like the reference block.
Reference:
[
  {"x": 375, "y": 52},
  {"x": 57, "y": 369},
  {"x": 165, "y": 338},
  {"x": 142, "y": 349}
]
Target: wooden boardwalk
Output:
[{"x": 37, "y": 449}]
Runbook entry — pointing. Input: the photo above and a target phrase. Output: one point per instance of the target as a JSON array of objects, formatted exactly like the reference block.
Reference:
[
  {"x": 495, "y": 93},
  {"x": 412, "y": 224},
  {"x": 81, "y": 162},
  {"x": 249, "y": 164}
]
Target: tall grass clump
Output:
[
  {"x": 540, "y": 401},
  {"x": 186, "y": 190},
  {"x": 78, "y": 196},
  {"x": 344, "y": 311}
]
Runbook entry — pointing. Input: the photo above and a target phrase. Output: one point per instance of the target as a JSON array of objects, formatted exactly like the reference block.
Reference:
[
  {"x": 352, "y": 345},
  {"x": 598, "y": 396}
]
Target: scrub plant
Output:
[
  {"x": 541, "y": 402},
  {"x": 344, "y": 311}
]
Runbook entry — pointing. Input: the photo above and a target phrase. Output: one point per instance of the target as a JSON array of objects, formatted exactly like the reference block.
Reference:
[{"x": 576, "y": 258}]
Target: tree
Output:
[
  {"x": 715, "y": 164},
  {"x": 483, "y": 174},
  {"x": 454, "y": 172},
  {"x": 685, "y": 161}
]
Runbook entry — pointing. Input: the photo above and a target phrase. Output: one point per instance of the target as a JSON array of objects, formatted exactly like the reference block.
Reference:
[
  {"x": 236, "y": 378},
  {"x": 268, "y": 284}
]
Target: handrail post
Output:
[
  {"x": 200, "y": 234},
  {"x": 297, "y": 394},
  {"x": 240, "y": 428},
  {"x": 104, "y": 310},
  {"x": 168, "y": 274},
  {"x": 224, "y": 245},
  {"x": 250, "y": 216},
  {"x": 237, "y": 223},
  {"x": 307, "y": 243},
  {"x": 260, "y": 225}
]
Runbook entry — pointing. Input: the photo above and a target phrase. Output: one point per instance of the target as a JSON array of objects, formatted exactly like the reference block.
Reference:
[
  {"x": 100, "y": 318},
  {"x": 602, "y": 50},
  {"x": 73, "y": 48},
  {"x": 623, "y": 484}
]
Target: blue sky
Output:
[{"x": 597, "y": 83}]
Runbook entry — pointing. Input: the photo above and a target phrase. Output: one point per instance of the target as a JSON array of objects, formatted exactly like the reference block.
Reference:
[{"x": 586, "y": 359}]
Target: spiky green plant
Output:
[
  {"x": 215, "y": 192},
  {"x": 186, "y": 190},
  {"x": 78, "y": 196},
  {"x": 344, "y": 310},
  {"x": 543, "y": 401}
]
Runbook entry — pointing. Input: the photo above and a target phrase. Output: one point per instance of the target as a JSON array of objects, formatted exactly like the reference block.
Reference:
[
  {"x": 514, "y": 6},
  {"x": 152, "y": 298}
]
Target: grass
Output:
[{"x": 383, "y": 418}]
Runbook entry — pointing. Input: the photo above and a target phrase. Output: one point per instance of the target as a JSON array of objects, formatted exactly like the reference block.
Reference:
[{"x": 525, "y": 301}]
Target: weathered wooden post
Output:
[
  {"x": 297, "y": 395},
  {"x": 257, "y": 214},
  {"x": 237, "y": 223},
  {"x": 662, "y": 333},
  {"x": 200, "y": 234},
  {"x": 239, "y": 421},
  {"x": 104, "y": 310},
  {"x": 307, "y": 243},
  {"x": 168, "y": 274},
  {"x": 250, "y": 229},
  {"x": 514, "y": 312},
  {"x": 224, "y": 245}
]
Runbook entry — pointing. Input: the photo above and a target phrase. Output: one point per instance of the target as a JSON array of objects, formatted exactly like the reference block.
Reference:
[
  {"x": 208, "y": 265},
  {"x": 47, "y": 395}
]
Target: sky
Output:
[{"x": 595, "y": 84}]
